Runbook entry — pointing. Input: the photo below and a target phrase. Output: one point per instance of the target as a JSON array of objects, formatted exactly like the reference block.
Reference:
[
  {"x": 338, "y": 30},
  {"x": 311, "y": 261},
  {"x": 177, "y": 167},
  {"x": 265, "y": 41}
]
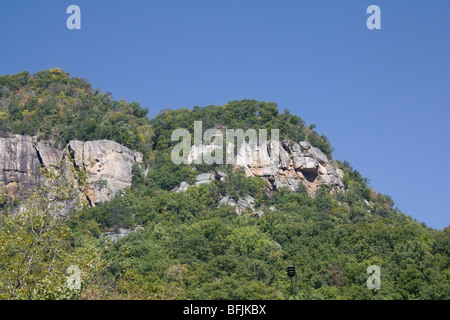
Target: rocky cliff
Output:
[
  {"x": 107, "y": 164},
  {"x": 294, "y": 163},
  {"x": 19, "y": 163}
]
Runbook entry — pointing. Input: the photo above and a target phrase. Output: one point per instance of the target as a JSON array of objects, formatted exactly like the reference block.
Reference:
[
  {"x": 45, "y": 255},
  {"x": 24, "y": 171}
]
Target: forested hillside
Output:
[{"x": 185, "y": 245}]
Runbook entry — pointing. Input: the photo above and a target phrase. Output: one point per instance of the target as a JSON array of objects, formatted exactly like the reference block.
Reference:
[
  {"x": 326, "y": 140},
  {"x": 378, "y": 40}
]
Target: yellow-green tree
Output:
[{"x": 37, "y": 246}]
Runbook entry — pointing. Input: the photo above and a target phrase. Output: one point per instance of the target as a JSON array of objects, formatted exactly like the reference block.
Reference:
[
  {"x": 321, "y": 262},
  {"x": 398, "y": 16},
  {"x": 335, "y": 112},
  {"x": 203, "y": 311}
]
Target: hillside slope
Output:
[{"x": 201, "y": 231}]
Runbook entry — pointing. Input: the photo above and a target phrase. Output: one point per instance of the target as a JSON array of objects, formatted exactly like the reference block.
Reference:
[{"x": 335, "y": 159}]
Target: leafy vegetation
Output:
[
  {"x": 186, "y": 246},
  {"x": 53, "y": 105}
]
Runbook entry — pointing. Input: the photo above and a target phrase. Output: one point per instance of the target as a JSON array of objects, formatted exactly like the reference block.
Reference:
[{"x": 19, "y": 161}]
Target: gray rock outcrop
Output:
[
  {"x": 301, "y": 162},
  {"x": 107, "y": 164},
  {"x": 295, "y": 163},
  {"x": 184, "y": 185},
  {"x": 241, "y": 205},
  {"x": 19, "y": 163},
  {"x": 204, "y": 178},
  {"x": 116, "y": 234}
]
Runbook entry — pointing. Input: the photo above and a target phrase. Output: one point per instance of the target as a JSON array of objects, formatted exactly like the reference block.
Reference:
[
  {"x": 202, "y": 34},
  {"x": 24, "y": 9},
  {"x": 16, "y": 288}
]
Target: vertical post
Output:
[
  {"x": 291, "y": 274},
  {"x": 293, "y": 290}
]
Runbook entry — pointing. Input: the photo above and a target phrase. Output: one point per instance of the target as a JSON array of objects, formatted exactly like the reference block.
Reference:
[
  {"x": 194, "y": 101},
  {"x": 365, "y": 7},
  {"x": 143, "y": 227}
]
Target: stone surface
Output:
[
  {"x": 116, "y": 234},
  {"x": 227, "y": 200},
  {"x": 305, "y": 145},
  {"x": 107, "y": 164},
  {"x": 49, "y": 155},
  {"x": 295, "y": 163},
  {"x": 306, "y": 163},
  {"x": 285, "y": 159},
  {"x": 204, "y": 178},
  {"x": 242, "y": 205},
  {"x": 319, "y": 155},
  {"x": 221, "y": 175},
  {"x": 182, "y": 187},
  {"x": 19, "y": 164}
]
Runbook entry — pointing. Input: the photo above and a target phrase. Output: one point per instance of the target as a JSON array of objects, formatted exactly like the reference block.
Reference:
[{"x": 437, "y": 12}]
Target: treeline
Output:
[
  {"x": 53, "y": 105},
  {"x": 240, "y": 114}
]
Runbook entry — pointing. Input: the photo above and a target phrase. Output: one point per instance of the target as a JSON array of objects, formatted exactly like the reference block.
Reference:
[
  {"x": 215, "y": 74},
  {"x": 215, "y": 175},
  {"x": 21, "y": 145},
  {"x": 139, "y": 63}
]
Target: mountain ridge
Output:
[{"x": 192, "y": 231}]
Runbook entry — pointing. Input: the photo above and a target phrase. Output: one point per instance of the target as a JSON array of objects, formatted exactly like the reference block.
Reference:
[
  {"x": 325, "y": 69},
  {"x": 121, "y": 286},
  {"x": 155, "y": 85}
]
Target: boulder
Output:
[
  {"x": 204, "y": 178},
  {"x": 220, "y": 175},
  {"x": 116, "y": 234},
  {"x": 306, "y": 164},
  {"x": 182, "y": 187},
  {"x": 242, "y": 205},
  {"x": 318, "y": 155},
  {"x": 305, "y": 145}
]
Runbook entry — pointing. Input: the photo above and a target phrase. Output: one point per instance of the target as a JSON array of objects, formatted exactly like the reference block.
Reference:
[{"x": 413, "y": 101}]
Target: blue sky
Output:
[{"x": 381, "y": 96}]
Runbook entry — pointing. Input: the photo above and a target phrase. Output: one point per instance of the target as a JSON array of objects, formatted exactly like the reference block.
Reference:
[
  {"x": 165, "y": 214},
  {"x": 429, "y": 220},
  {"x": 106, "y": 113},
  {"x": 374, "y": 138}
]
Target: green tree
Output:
[{"x": 36, "y": 244}]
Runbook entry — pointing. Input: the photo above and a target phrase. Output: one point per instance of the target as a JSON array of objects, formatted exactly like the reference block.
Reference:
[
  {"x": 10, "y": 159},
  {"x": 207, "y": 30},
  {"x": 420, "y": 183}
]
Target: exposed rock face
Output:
[
  {"x": 242, "y": 205},
  {"x": 50, "y": 156},
  {"x": 183, "y": 187},
  {"x": 304, "y": 163},
  {"x": 204, "y": 178},
  {"x": 107, "y": 164},
  {"x": 116, "y": 234},
  {"x": 19, "y": 163},
  {"x": 221, "y": 175},
  {"x": 293, "y": 164}
]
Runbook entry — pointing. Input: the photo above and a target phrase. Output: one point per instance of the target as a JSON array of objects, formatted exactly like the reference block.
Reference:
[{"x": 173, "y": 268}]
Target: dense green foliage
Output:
[
  {"x": 243, "y": 114},
  {"x": 53, "y": 105},
  {"x": 186, "y": 246},
  {"x": 194, "y": 249}
]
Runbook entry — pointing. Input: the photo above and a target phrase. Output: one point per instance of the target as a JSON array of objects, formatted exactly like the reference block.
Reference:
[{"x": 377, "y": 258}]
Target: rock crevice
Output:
[
  {"x": 296, "y": 163},
  {"x": 106, "y": 164}
]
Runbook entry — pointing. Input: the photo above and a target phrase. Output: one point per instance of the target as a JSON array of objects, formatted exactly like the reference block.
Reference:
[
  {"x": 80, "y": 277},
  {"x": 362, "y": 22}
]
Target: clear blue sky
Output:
[{"x": 381, "y": 96}]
